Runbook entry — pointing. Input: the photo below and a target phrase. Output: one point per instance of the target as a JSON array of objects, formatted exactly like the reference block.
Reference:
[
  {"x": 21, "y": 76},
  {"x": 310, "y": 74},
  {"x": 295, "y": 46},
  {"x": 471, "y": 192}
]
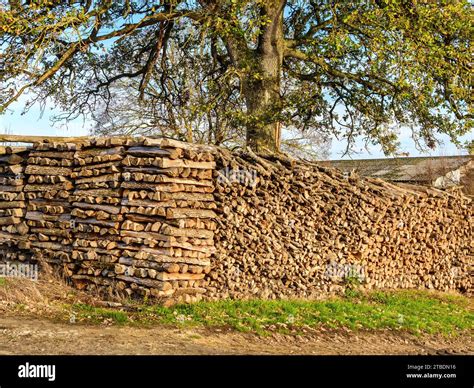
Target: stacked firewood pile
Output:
[
  {"x": 167, "y": 231},
  {"x": 48, "y": 189},
  {"x": 96, "y": 213},
  {"x": 120, "y": 216},
  {"x": 300, "y": 230},
  {"x": 13, "y": 228},
  {"x": 156, "y": 217}
]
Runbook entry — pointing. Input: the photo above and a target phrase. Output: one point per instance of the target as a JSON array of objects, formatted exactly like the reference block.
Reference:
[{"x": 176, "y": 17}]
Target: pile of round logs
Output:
[{"x": 301, "y": 230}]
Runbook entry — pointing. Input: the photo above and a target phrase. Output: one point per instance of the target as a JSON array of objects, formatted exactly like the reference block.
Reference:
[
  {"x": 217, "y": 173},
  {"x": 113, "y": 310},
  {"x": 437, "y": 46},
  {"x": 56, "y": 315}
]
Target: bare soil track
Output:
[{"x": 32, "y": 336}]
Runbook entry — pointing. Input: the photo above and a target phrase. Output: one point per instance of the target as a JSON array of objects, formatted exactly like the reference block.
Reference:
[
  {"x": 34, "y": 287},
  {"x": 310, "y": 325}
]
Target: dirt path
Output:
[{"x": 20, "y": 335}]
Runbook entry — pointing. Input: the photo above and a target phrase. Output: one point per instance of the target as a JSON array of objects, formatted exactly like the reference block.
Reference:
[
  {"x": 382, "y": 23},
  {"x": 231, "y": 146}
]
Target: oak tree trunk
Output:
[{"x": 262, "y": 91}]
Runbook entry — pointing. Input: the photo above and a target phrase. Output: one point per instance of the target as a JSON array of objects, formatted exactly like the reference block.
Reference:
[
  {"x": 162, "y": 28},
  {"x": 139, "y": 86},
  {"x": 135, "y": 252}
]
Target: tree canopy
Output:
[{"x": 237, "y": 69}]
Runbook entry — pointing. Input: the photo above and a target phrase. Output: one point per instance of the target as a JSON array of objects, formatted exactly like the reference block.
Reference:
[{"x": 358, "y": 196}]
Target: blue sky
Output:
[
  {"x": 446, "y": 148},
  {"x": 33, "y": 123}
]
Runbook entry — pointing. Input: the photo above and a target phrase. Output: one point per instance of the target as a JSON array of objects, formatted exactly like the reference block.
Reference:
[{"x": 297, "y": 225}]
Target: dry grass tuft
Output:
[{"x": 46, "y": 296}]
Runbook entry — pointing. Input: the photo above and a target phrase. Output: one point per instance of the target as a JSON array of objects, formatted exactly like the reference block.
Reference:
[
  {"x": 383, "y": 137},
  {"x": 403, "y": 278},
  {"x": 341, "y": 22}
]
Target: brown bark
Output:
[{"x": 262, "y": 92}]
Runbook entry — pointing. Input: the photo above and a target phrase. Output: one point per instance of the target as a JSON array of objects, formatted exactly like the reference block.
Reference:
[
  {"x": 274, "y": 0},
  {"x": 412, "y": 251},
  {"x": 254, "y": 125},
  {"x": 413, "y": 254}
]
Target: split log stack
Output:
[
  {"x": 148, "y": 217},
  {"x": 13, "y": 228},
  {"x": 48, "y": 188},
  {"x": 303, "y": 230},
  {"x": 168, "y": 226},
  {"x": 96, "y": 214}
]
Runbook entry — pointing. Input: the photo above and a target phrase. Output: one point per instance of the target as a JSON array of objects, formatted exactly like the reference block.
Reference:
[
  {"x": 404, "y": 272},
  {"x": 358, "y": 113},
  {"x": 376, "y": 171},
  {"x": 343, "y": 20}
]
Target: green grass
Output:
[
  {"x": 413, "y": 311},
  {"x": 98, "y": 315},
  {"x": 3, "y": 282}
]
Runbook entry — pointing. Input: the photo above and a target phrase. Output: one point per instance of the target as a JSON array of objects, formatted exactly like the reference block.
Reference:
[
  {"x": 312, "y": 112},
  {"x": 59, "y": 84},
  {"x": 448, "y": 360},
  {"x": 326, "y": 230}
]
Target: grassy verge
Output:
[{"x": 413, "y": 311}]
